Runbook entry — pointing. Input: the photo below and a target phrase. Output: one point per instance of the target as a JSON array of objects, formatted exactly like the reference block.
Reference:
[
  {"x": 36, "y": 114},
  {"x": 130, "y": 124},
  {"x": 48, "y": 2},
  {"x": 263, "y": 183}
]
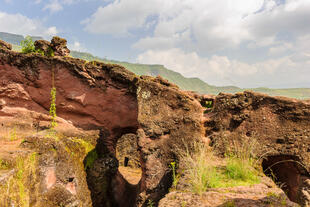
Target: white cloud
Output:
[
  {"x": 280, "y": 49},
  {"x": 183, "y": 34},
  {"x": 281, "y": 21},
  {"x": 53, "y": 6},
  {"x": 164, "y": 42},
  {"x": 211, "y": 25},
  {"x": 120, "y": 16},
  {"x": 76, "y": 46},
  {"x": 19, "y": 24},
  {"x": 205, "y": 20},
  {"x": 57, "y": 5},
  {"x": 220, "y": 70},
  {"x": 215, "y": 70},
  {"x": 51, "y": 31}
]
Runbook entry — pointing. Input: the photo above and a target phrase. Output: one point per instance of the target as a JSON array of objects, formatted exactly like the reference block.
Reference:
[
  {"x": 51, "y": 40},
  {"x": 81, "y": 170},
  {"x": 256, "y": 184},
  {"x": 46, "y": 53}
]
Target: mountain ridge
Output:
[{"x": 189, "y": 84}]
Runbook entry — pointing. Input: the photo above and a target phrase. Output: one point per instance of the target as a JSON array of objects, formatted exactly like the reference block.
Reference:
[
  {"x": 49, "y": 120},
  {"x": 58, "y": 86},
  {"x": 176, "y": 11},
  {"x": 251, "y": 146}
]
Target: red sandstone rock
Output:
[
  {"x": 110, "y": 98},
  {"x": 94, "y": 96}
]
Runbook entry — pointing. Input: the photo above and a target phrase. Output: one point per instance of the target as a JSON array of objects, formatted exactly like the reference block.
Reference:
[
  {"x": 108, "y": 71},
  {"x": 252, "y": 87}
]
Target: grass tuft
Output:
[
  {"x": 241, "y": 169},
  {"x": 205, "y": 170},
  {"x": 90, "y": 159}
]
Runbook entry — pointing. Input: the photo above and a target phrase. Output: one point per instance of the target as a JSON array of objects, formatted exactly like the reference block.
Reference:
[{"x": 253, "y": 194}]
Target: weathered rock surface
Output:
[
  {"x": 264, "y": 194},
  {"x": 46, "y": 170},
  {"x": 127, "y": 151},
  {"x": 280, "y": 125},
  {"x": 43, "y": 46},
  {"x": 5, "y": 45},
  {"x": 97, "y": 96},
  {"x": 59, "y": 46}
]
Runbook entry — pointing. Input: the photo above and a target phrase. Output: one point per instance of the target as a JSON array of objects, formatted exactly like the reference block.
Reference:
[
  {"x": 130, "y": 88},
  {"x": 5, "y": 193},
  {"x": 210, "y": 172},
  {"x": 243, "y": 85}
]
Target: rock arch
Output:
[{"x": 98, "y": 96}]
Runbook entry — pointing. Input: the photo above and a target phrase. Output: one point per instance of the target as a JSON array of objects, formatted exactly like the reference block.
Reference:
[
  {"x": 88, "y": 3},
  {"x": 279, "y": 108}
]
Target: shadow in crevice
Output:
[
  {"x": 287, "y": 172},
  {"x": 107, "y": 185},
  {"x": 159, "y": 191}
]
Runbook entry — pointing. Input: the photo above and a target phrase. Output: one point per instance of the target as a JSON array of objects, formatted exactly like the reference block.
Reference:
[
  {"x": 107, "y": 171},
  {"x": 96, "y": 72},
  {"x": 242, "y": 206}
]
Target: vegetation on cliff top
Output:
[{"x": 27, "y": 45}]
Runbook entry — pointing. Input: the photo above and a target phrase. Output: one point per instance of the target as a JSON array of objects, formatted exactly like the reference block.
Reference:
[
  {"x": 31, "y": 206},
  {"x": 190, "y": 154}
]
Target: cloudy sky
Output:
[{"x": 247, "y": 43}]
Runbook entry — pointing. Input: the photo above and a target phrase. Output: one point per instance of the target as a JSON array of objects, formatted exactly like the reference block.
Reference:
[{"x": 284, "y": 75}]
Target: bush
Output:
[{"x": 27, "y": 45}]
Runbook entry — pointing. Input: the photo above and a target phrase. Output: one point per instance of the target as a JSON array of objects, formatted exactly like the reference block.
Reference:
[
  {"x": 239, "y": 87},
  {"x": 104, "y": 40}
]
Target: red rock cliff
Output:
[{"x": 93, "y": 95}]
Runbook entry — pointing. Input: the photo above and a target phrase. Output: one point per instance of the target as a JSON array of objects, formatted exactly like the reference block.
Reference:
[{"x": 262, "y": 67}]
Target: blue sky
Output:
[{"x": 253, "y": 43}]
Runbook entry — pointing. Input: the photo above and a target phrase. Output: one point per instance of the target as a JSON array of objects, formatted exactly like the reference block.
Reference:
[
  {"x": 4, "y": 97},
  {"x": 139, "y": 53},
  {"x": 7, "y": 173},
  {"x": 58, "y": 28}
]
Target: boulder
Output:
[
  {"x": 5, "y": 45},
  {"x": 59, "y": 46},
  {"x": 43, "y": 46}
]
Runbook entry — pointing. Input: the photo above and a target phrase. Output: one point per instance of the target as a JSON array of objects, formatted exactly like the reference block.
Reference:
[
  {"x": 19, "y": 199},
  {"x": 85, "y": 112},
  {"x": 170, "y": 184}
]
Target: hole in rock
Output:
[
  {"x": 286, "y": 171},
  {"x": 126, "y": 160},
  {"x": 126, "y": 151}
]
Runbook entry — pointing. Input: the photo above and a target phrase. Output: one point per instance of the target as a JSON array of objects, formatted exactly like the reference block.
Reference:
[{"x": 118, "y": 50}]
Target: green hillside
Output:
[
  {"x": 14, "y": 38},
  {"x": 191, "y": 84}
]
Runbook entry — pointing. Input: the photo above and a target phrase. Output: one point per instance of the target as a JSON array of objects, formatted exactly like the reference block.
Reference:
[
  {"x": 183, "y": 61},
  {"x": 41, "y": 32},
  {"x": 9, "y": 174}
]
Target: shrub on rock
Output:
[{"x": 27, "y": 45}]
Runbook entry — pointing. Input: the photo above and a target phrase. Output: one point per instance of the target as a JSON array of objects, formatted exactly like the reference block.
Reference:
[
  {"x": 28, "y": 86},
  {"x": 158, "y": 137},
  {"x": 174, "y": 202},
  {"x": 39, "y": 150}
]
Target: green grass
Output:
[
  {"x": 241, "y": 170},
  {"x": 204, "y": 170},
  {"x": 150, "y": 203},
  {"x": 20, "y": 166},
  {"x": 90, "y": 159}
]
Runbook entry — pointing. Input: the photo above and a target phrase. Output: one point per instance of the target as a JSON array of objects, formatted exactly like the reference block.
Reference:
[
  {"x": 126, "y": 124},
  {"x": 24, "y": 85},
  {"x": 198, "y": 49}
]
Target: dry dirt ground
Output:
[{"x": 264, "y": 194}]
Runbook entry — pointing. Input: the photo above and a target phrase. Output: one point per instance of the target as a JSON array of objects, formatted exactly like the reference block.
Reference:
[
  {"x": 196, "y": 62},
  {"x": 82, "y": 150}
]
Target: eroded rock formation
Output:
[
  {"x": 281, "y": 128},
  {"x": 43, "y": 46},
  {"x": 108, "y": 101},
  {"x": 97, "y": 96},
  {"x": 59, "y": 46}
]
